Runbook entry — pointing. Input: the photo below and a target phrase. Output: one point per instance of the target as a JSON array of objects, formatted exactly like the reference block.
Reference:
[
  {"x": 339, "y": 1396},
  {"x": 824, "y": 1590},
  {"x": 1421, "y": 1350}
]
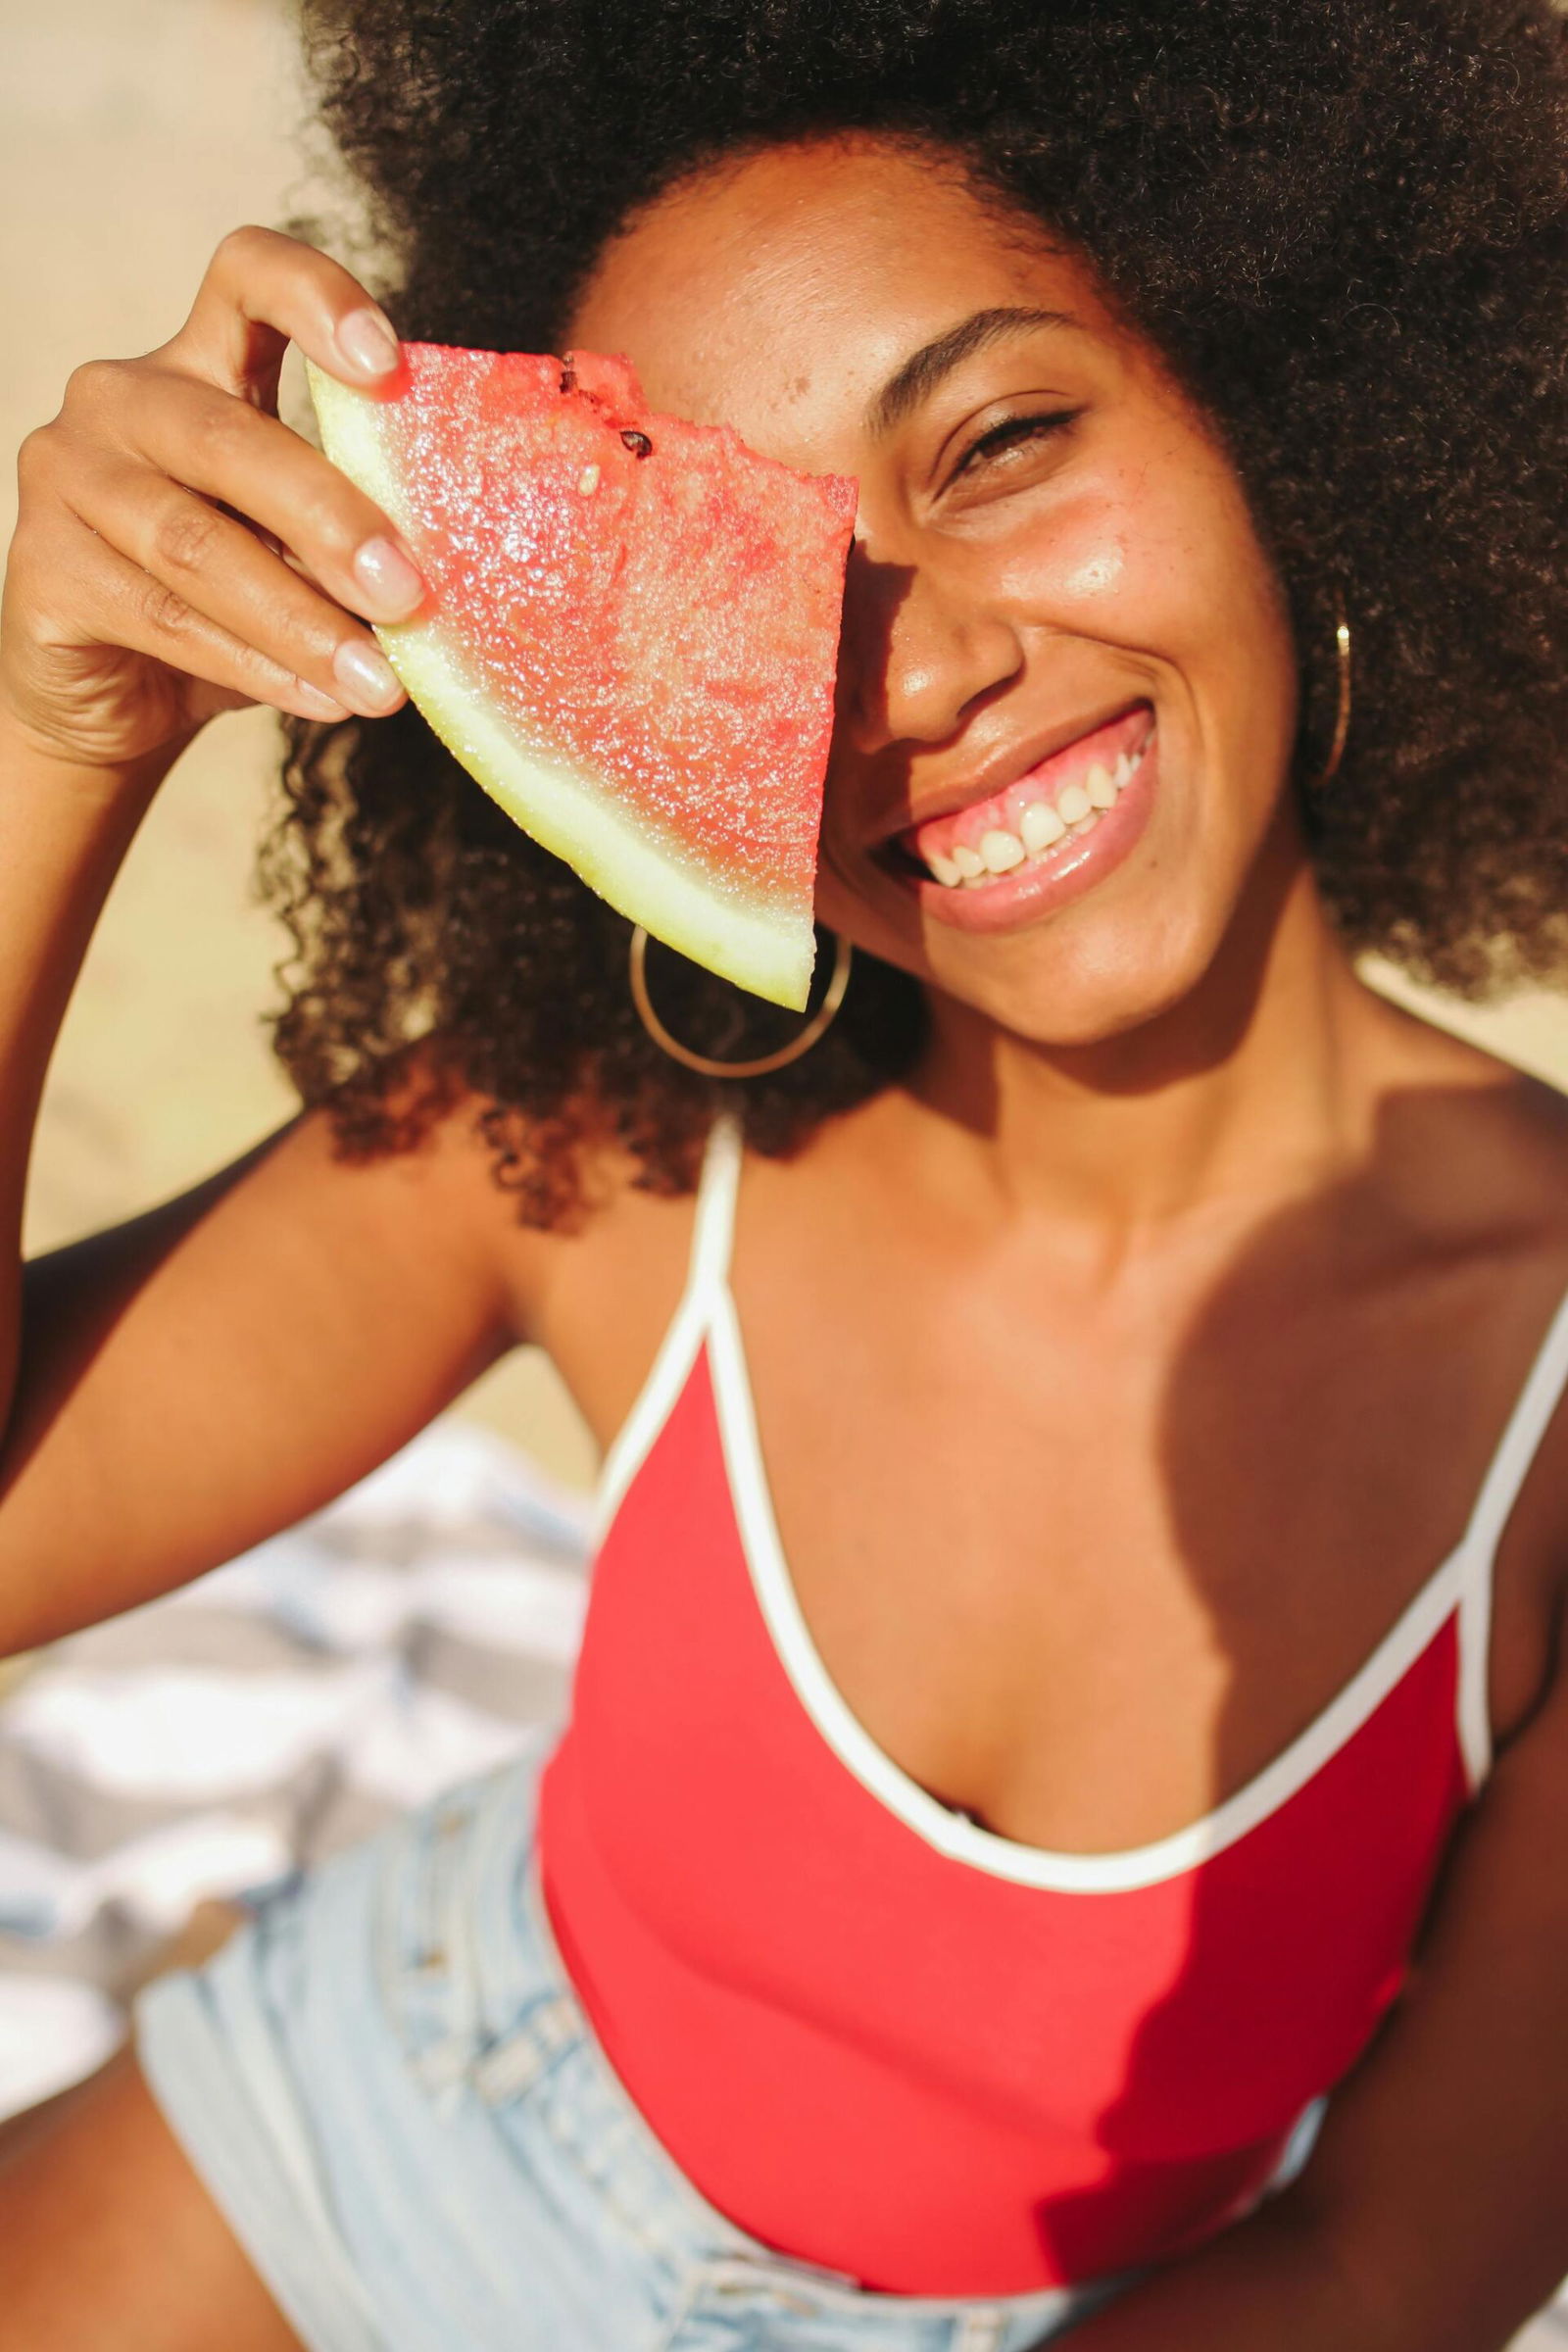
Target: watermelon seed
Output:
[
  {"x": 588, "y": 480},
  {"x": 638, "y": 443},
  {"x": 569, "y": 376}
]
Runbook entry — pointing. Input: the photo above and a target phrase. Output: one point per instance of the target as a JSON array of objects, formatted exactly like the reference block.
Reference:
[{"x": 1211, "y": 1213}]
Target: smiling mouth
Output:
[{"x": 1028, "y": 823}]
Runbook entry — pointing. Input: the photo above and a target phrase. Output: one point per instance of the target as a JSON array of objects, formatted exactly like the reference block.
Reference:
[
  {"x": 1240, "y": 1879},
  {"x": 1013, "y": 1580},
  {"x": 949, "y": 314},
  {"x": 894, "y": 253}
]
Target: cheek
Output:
[
  {"x": 1077, "y": 569},
  {"x": 1161, "y": 562},
  {"x": 1148, "y": 558},
  {"x": 1099, "y": 573}
]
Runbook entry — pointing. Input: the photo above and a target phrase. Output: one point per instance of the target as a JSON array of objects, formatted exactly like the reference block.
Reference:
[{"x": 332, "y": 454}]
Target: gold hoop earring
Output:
[
  {"x": 819, "y": 1023},
  {"x": 1341, "y": 716}
]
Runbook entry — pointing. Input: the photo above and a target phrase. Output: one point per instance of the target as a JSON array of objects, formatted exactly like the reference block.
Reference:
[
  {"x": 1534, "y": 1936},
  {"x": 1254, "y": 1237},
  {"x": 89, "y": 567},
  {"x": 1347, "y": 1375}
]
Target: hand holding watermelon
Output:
[
  {"x": 147, "y": 587},
  {"x": 624, "y": 625}
]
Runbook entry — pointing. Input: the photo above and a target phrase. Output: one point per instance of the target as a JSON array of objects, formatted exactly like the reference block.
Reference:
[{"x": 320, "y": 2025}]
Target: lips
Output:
[
  {"x": 1021, "y": 891},
  {"x": 1036, "y": 810}
]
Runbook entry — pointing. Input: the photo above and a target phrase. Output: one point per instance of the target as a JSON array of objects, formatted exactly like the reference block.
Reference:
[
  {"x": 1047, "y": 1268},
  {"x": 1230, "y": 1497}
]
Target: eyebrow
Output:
[{"x": 918, "y": 376}]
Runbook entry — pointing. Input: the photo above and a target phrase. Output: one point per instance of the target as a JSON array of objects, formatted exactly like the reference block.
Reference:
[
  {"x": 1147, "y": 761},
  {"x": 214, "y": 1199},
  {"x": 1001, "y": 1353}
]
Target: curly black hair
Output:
[{"x": 1345, "y": 223}]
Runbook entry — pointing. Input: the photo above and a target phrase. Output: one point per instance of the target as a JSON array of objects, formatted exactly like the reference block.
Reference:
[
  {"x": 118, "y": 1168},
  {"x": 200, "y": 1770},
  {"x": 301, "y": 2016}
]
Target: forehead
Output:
[{"x": 748, "y": 293}]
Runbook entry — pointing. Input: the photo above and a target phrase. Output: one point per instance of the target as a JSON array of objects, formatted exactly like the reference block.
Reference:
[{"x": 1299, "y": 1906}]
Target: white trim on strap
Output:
[
  {"x": 713, "y": 1226},
  {"x": 1526, "y": 1425},
  {"x": 1509, "y": 1467},
  {"x": 714, "y": 1230}
]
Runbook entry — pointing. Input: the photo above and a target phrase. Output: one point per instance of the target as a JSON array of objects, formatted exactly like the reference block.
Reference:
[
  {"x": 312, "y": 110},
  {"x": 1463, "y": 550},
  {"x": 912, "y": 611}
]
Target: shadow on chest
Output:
[{"x": 1085, "y": 1574}]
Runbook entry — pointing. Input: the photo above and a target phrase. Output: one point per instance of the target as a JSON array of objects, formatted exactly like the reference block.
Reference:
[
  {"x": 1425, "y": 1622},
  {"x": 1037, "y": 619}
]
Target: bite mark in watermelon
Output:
[{"x": 630, "y": 639}]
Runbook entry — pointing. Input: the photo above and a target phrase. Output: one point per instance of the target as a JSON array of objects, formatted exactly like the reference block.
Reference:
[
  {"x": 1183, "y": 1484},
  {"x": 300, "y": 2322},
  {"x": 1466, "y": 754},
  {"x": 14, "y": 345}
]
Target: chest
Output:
[
  {"x": 1084, "y": 1574},
  {"x": 1086, "y": 1578}
]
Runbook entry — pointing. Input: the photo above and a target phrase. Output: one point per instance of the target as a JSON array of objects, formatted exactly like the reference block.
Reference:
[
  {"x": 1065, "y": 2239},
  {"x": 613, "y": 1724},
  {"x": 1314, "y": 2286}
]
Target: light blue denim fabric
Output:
[{"x": 390, "y": 2089}]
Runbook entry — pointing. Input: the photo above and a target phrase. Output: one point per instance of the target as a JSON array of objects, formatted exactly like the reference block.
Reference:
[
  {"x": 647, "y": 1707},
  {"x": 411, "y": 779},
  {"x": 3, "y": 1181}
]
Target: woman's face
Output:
[{"x": 1067, "y": 662}]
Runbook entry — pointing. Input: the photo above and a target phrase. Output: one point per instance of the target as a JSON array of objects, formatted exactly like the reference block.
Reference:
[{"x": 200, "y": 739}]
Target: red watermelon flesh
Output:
[{"x": 631, "y": 636}]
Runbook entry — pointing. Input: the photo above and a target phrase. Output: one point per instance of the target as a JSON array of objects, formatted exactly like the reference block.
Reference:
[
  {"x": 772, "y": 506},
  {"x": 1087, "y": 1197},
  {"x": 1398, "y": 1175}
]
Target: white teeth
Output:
[
  {"x": 1040, "y": 826},
  {"x": 1000, "y": 851}
]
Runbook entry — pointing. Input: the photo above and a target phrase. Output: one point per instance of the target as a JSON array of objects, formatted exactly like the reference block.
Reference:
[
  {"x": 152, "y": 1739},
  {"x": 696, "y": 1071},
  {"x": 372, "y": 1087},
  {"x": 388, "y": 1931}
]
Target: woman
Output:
[{"x": 1063, "y": 1819}]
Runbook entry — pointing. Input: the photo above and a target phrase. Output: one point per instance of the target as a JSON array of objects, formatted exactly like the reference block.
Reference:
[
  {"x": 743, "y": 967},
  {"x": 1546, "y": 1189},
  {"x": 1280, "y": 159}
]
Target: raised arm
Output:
[{"x": 173, "y": 1389}]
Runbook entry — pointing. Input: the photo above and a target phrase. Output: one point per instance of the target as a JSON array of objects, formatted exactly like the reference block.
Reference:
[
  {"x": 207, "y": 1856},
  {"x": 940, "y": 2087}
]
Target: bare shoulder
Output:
[
  {"x": 107, "y": 2235},
  {"x": 1476, "y": 1153},
  {"x": 1472, "y": 1143},
  {"x": 602, "y": 1286}
]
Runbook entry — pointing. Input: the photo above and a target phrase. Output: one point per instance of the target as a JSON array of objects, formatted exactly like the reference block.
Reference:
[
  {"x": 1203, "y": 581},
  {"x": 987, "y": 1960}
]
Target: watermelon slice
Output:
[{"x": 631, "y": 636}]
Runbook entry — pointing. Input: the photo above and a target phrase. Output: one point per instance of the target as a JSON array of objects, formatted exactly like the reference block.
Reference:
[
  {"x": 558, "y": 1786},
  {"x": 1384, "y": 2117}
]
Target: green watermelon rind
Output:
[{"x": 565, "y": 806}]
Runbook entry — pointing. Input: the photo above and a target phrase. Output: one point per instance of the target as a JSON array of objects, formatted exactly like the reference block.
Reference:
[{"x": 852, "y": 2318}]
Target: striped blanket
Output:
[{"x": 207, "y": 1746}]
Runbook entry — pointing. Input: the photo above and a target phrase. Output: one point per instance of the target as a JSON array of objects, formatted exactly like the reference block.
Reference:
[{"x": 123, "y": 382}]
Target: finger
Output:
[
  {"x": 267, "y": 539},
  {"x": 217, "y": 568},
  {"x": 263, "y": 291},
  {"x": 129, "y": 608},
  {"x": 258, "y": 468}
]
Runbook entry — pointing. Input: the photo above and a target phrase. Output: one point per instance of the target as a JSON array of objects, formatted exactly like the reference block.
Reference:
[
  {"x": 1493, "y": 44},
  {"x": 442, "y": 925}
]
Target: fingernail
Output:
[
  {"x": 317, "y": 704},
  {"x": 389, "y": 580},
  {"x": 368, "y": 342},
  {"x": 365, "y": 678}
]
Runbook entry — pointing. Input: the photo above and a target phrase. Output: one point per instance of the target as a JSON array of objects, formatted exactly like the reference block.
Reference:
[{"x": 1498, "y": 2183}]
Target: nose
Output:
[{"x": 917, "y": 654}]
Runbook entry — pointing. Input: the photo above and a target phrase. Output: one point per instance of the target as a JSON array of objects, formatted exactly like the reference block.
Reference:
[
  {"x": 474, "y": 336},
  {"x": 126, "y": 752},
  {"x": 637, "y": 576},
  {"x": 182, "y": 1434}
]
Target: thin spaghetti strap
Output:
[
  {"x": 1526, "y": 1425},
  {"x": 714, "y": 1227},
  {"x": 707, "y": 1265},
  {"x": 1517, "y": 1448}
]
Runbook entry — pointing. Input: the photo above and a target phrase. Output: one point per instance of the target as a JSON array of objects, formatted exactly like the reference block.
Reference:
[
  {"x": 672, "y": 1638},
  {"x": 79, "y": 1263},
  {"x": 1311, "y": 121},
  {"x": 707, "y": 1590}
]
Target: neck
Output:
[{"x": 1253, "y": 1088}]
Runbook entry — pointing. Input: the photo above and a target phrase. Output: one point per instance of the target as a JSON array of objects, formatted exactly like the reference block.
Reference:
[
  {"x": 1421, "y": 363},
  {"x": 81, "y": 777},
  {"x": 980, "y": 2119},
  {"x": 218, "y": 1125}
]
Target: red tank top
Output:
[{"x": 878, "y": 2036}]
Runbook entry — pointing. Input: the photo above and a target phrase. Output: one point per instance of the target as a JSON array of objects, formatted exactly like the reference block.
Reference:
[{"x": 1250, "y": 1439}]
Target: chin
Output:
[
  {"x": 1100, "y": 979},
  {"x": 1077, "y": 1020}
]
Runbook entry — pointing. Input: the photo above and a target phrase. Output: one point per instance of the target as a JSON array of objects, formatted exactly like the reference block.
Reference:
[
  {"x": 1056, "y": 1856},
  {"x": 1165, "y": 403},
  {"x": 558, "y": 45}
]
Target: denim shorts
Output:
[{"x": 393, "y": 2096}]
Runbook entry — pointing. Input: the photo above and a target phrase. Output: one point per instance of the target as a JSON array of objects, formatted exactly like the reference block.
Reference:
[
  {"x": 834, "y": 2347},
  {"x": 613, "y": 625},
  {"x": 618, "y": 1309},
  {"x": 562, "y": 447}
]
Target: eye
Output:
[{"x": 1014, "y": 434}]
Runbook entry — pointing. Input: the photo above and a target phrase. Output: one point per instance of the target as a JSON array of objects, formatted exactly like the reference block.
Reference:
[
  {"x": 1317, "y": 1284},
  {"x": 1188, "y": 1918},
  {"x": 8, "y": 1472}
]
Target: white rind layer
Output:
[{"x": 567, "y": 806}]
